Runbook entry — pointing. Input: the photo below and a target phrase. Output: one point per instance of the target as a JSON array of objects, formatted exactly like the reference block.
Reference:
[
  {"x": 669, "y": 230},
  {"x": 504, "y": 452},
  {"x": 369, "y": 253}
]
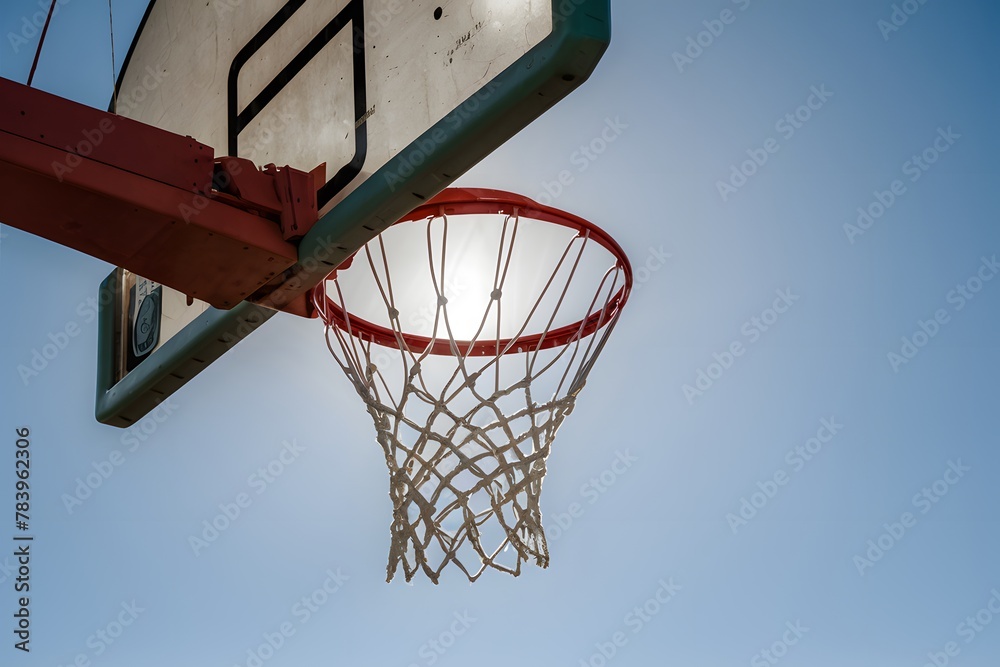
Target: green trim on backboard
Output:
[
  {"x": 171, "y": 366},
  {"x": 515, "y": 98}
]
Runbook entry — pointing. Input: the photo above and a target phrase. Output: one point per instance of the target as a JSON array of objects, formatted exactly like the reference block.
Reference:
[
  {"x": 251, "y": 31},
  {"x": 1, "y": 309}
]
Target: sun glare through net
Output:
[{"x": 469, "y": 337}]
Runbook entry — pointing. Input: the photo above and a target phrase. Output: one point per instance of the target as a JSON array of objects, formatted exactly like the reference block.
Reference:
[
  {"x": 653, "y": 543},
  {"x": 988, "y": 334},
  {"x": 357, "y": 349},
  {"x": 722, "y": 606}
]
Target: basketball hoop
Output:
[{"x": 468, "y": 363}]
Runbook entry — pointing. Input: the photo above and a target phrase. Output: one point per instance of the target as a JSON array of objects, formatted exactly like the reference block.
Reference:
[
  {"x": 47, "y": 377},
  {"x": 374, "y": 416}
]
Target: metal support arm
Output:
[{"x": 154, "y": 202}]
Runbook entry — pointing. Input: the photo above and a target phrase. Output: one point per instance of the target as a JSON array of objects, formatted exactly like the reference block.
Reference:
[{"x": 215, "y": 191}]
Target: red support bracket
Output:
[
  {"x": 283, "y": 194},
  {"x": 297, "y": 192},
  {"x": 148, "y": 200}
]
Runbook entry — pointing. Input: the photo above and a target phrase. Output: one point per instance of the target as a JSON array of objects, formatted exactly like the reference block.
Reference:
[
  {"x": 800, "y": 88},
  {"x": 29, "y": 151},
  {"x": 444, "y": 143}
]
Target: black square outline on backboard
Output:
[{"x": 353, "y": 14}]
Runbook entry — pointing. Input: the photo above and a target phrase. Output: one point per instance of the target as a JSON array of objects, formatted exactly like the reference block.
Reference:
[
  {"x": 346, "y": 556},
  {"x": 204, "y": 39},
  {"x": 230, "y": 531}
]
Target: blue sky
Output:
[{"x": 764, "y": 267}]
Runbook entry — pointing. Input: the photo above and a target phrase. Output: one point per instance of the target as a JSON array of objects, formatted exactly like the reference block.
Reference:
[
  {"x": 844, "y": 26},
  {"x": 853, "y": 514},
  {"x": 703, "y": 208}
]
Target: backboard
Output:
[{"x": 397, "y": 98}]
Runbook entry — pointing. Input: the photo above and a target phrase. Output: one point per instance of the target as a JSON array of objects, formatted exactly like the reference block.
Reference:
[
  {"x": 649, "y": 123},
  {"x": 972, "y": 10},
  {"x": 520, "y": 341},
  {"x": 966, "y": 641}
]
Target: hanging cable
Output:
[
  {"x": 114, "y": 81},
  {"x": 41, "y": 40}
]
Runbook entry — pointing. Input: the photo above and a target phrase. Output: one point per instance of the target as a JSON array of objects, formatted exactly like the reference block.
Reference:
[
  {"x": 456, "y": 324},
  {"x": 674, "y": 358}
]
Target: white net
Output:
[{"x": 468, "y": 394}]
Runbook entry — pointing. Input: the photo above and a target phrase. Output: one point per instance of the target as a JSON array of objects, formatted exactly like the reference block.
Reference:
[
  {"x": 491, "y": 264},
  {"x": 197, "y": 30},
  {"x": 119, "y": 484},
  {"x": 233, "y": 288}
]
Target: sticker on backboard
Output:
[{"x": 145, "y": 302}]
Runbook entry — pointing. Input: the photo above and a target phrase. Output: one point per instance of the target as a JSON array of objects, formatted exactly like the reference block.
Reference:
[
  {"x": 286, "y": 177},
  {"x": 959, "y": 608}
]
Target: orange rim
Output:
[{"x": 473, "y": 201}]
